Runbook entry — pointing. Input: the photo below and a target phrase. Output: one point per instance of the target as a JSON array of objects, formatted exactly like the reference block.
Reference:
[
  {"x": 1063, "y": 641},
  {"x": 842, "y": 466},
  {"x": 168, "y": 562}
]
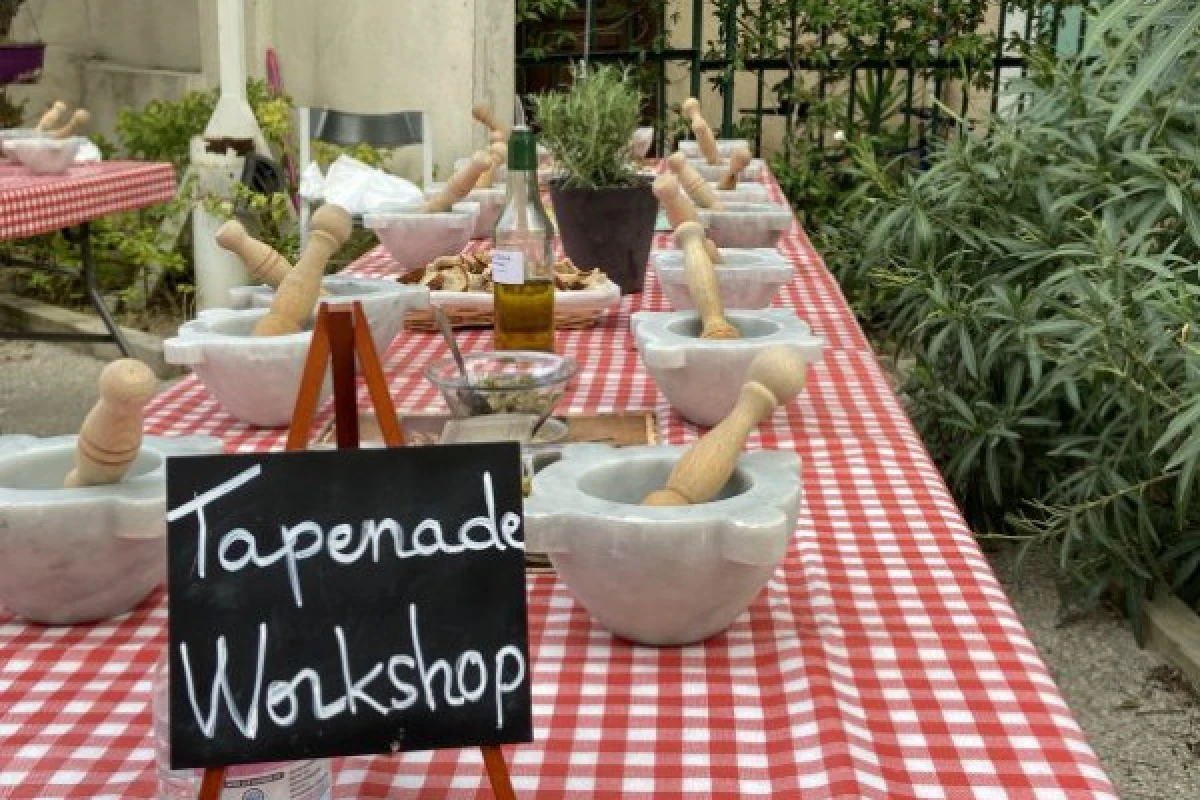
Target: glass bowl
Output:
[{"x": 506, "y": 382}]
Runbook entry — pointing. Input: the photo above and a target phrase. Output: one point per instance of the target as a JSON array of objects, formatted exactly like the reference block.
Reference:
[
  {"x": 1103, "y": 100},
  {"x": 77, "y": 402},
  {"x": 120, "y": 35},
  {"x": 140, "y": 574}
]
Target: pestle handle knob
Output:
[
  {"x": 702, "y": 283},
  {"x": 775, "y": 377},
  {"x": 482, "y": 113},
  {"x": 52, "y": 117},
  {"x": 298, "y": 291},
  {"x": 460, "y": 183},
  {"x": 680, "y": 209},
  {"x": 706, "y": 140},
  {"x": 77, "y": 122},
  {"x": 678, "y": 206},
  {"x": 693, "y": 182},
  {"x": 738, "y": 160},
  {"x": 690, "y": 109},
  {"x": 111, "y": 434},
  {"x": 263, "y": 262},
  {"x": 498, "y": 152}
]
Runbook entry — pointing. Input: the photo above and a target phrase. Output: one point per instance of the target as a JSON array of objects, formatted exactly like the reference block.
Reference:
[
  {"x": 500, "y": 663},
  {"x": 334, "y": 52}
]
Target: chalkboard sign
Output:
[{"x": 345, "y": 602}]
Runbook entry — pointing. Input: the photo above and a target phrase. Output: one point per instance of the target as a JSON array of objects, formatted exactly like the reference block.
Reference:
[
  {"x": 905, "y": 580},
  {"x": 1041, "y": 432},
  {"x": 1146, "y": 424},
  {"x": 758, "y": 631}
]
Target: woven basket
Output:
[{"x": 476, "y": 318}]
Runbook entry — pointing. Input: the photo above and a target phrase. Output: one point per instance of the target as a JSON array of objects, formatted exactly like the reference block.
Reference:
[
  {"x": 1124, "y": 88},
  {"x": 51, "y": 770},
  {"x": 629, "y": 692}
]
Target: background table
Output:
[
  {"x": 882, "y": 661},
  {"x": 35, "y": 204}
]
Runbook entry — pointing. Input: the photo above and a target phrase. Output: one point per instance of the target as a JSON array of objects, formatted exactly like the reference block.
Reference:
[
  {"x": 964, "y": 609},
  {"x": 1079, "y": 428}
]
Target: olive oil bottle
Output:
[{"x": 523, "y": 258}]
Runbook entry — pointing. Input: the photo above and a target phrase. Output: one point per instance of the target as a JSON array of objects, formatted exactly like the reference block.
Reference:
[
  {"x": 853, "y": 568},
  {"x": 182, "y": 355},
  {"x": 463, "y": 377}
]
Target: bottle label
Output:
[
  {"x": 508, "y": 266},
  {"x": 299, "y": 780}
]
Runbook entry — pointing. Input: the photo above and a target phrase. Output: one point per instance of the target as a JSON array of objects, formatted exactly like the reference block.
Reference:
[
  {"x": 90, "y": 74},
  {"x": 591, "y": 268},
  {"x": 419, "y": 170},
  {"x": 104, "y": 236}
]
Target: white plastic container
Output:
[
  {"x": 746, "y": 225},
  {"x": 414, "y": 238},
  {"x": 289, "y": 780},
  {"x": 747, "y": 279}
]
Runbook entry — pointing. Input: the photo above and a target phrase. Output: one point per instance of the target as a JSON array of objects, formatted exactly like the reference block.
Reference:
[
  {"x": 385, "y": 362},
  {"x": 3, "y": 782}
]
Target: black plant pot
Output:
[{"x": 612, "y": 229}]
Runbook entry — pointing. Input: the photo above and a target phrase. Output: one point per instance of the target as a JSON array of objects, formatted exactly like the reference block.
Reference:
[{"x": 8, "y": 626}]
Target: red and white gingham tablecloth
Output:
[
  {"x": 882, "y": 661},
  {"x": 35, "y": 204}
]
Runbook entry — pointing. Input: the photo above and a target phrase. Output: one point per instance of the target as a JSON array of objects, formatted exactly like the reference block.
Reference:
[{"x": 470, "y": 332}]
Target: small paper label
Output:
[{"x": 508, "y": 266}]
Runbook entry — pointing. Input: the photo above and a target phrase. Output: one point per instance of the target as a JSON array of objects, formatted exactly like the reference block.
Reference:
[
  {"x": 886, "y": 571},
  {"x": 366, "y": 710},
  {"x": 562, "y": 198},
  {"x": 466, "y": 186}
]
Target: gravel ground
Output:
[
  {"x": 45, "y": 389},
  {"x": 1139, "y": 714},
  {"x": 1142, "y": 717}
]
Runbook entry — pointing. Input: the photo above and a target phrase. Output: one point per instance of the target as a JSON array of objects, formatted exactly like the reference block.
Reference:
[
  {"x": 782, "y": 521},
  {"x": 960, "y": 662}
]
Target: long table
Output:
[
  {"x": 882, "y": 661},
  {"x": 33, "y": 204}
]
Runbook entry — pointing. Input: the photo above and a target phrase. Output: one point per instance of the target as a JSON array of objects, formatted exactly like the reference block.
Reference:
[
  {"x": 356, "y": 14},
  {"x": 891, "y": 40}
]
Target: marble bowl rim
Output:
[{"x": 766, "y": 471}]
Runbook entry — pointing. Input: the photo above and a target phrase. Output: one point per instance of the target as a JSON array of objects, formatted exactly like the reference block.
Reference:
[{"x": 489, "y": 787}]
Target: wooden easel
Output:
[{"x": 340, "y": 333}]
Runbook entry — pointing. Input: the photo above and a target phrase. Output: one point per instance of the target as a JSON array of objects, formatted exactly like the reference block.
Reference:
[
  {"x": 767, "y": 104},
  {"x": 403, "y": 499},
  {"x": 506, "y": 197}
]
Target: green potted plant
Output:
[{"x": 605, "y": 209}]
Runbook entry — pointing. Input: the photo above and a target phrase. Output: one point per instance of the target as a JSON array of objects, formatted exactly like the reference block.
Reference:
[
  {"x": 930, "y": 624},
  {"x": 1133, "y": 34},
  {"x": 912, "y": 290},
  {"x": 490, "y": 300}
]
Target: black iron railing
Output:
[{"x": 933, "y": 82}]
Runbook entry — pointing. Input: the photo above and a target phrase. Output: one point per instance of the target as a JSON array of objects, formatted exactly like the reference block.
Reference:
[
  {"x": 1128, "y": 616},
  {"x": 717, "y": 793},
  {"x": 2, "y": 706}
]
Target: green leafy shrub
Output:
[
  {"x": 1044, "y": 279},
  {"x": 589, "y": 127},
  {"x": 163, "y": 129}
]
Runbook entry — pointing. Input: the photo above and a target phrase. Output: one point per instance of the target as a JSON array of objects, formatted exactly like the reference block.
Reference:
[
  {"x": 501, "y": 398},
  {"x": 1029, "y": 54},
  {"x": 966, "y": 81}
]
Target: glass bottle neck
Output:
[{"x": 523, "y": 187}]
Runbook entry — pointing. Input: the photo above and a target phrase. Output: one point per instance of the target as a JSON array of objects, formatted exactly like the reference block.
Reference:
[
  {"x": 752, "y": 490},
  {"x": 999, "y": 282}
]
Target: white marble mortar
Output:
[
  {"x": 256, "y": 378},
  {"x": 658, "y": 575},
  {"x": 491, "y": 205},
  {"x": 691, "y": 148},
  {"x": 747, "y": 278},
  {"x": 744, "y": 193},
  {"x": 413, "y": 238},
  {"x": 701, "y": 378},
  {"x": 712, "y": 172},
  {"x": 76, "y": 555},
  {"x": 746, "y": 225}
]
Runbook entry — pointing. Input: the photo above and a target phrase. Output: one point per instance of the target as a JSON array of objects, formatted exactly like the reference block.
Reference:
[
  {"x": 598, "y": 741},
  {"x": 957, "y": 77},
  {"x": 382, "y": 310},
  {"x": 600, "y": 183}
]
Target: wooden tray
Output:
[{"x": 620, "y": 430}]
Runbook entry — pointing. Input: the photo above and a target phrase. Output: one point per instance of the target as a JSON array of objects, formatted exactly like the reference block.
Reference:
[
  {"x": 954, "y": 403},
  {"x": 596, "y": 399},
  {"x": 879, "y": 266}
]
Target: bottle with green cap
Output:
[{"x": 523, "y": 257}]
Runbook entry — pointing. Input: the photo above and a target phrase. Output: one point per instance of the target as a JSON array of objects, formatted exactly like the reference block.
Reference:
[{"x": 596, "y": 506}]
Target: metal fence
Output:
[{"x": 932, "y": 85}]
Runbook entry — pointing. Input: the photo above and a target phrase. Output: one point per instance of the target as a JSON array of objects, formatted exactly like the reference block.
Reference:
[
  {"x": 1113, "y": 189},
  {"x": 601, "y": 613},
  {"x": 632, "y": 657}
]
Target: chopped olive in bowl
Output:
[{"x": 505, "y": 382}]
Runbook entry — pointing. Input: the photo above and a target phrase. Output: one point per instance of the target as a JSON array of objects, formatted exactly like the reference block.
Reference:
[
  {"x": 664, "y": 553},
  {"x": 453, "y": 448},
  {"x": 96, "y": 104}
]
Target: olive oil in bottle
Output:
[{"x": 523, "y": 258}]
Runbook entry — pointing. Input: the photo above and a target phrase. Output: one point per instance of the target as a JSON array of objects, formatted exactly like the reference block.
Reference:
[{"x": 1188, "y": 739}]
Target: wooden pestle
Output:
[
  {"x": 701, "y": 130},
  {"x": 78, "y": 120},
  {"x": 706, "y": 140},
  {"x": 460, "y": 183},
  {"x": 263, "y": 262},
  {"x": 738, "y": 160},
  {"x": 693, "y": 182},
  {"x": 298, "y": 291},
  {"x": 498, "y": 153},
  {"x": 52, "y": 117},
  {"x": 702, "y": 283},
  {"x": 680, "y": 209},
  {"x": 482, "y": 113},
  {"x": 775, "y": 377},
  {"x": 111, "y": 434}
]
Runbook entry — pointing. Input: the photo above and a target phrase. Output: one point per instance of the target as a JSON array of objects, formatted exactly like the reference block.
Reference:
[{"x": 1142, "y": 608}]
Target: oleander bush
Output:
[{"x": 1044, "y": 280}]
